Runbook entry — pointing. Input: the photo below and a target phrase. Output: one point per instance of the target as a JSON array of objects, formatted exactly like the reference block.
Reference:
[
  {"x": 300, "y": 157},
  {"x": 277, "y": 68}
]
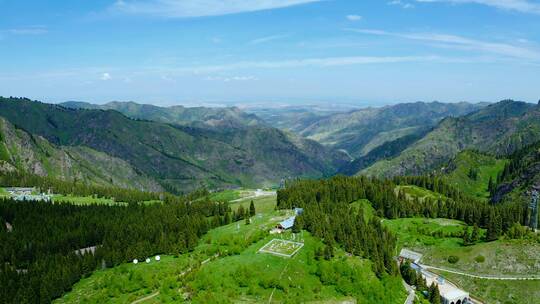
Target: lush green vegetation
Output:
[
  {"x": 226, "y": 195},
  {"x": 422, "y": 194},
  {"x": 240, "y": 273},
  {"x": 422, "y": 233},
  {"x": 252, "y": 277},
  {"x": 471, "y": 171}
]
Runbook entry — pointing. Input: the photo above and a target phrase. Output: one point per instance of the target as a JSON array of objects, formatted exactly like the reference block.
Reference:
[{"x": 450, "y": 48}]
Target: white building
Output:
[{"x": 450, "y": 294}]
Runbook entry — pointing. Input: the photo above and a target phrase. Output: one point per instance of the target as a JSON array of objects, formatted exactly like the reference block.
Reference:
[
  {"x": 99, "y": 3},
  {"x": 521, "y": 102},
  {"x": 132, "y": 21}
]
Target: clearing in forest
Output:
[{"x": 282, "y": 248}]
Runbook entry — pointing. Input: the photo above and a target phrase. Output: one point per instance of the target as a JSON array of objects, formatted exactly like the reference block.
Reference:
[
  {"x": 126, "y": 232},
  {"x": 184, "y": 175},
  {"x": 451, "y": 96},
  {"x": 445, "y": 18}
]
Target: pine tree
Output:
[
  {"x": 466, "y": 237},
  {"x": 435, "y": 295},
  {"x": 475, "y": 236},
  {"x": 252, "y": 209},
  {"x": 491, "y": 186}
]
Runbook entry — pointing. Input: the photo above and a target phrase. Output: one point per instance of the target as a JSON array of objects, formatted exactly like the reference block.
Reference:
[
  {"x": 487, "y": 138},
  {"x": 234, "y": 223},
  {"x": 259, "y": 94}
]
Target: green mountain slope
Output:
[
  {"x": 499, "y": 129},
  {"x": 359, "y": 132},
  {"x": 179, "y": 157},
  {"x": 470, "y": 171},
  {"x": 20, "y": 151},
  {"x": 519, "y": 176}
]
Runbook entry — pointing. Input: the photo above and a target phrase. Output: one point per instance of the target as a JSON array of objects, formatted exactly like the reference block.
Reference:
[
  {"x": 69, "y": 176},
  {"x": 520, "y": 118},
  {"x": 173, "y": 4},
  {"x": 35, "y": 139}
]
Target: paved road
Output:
[
  {"x": 410, "y": 290},
  {"x": 481, "y": 276}
]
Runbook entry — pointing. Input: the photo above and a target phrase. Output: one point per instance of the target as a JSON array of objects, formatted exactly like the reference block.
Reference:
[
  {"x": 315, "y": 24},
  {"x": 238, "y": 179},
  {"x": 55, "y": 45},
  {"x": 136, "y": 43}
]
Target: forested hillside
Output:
[
  {"x": 39, "y": 251},
  {"x": 24, "y": 152},
  {"x": 500, "y": 129},
  {"x": 178, "y": 157},
  {"x": 519, "y": 177}
]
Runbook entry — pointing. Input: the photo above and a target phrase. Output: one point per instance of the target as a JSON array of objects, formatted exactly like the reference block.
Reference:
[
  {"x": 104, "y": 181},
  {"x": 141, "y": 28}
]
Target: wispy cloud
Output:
[
  {"x": 524, "y": 6},
  {"x": 199, "y": 8},
  {"x": 32, "y": 30},
  {"x": 504, "y": 49},
  {"x": 267, "y": 39},
  {"x": 400, "y": 3},
  {"x": 354, "y": 17}
]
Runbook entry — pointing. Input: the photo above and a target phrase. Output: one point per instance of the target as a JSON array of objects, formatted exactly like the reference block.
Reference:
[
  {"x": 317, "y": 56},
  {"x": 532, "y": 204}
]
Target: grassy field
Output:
[
  {"x": 88, "y": 200},
  {"x": 503, "y": 257},
  {"x": 128, "y": 282},
  {"x": 366, "y": 206},
  {"x": 165, "y": 276},
  {"x": 487, "y": 166},
  {"x": 420, "y": 193},
  {"x": 265, "y": 204},
  {"x": 239, "y": 274},
  {"x": 421, "y": 234},
  {"x": 252, "y": 277},
  {"x": 226, "y": 195},
  {"x": 3, "y": 192},
  {"x": 498, "y": 292}
]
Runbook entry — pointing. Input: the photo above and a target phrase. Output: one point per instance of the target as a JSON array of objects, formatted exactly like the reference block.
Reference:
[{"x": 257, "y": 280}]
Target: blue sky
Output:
[{"x": 270, "y": 51}]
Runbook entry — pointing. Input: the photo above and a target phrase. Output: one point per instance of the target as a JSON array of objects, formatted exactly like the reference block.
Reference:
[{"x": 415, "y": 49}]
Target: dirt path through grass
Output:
[
  {"x": 481, "y": 276},
  {"x": 155, "y": 294}
]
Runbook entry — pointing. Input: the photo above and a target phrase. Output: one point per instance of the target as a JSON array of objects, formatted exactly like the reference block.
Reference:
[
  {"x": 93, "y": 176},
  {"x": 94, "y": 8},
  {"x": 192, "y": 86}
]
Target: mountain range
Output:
[
  {"x": 179, "y": 149},
  {"x": 174, "y": 156}
]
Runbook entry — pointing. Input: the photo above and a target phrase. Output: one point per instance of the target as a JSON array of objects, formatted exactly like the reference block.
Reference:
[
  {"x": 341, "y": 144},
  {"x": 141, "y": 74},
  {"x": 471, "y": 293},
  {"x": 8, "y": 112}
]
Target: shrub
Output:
[
  {"x": 453, "y": 259},
  {"x": 480, "y": 259}
]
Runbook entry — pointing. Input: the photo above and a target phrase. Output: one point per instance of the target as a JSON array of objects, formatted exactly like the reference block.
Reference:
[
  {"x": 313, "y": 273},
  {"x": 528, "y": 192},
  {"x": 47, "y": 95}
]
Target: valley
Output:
[
  {"x": 270, "y": 151},
  {"x": 180, "y": 188}
]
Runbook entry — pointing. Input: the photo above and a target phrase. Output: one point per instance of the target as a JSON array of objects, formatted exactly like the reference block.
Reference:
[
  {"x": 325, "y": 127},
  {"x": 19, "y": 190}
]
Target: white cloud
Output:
[
  {"x": 524, "y": 6},
  {"x": 267, "y": 39},
  {"x": 199, "y": 8},
  {"x": 400, "y": 3},
  {"x": 463, "y": 43},
  {"x": 106, "y": 76},
  {"x": 354, "y": 17}
]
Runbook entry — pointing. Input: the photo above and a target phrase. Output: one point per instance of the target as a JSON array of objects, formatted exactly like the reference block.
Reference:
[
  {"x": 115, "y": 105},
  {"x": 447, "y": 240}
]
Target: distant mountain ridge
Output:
[
  {"x": 500, "y": 128},
  {"x": 186, "y": 116},
  {"x": 179, "y": 157},
  {"x": 362, "y": 130}
]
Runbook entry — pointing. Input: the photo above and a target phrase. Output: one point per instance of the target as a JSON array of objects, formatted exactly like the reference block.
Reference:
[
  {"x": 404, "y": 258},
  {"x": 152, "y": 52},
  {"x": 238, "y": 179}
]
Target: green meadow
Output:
[{"x": 226, "y": 267}]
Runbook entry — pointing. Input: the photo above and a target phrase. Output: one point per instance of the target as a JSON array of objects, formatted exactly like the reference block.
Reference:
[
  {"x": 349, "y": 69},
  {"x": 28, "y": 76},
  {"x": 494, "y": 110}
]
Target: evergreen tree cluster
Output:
[
  {"x": 40, "y": 257},
  {"x": 496, "y": 218},
  {"x": 414, "y": 278},
  {"x": 327, "y": 213}
]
